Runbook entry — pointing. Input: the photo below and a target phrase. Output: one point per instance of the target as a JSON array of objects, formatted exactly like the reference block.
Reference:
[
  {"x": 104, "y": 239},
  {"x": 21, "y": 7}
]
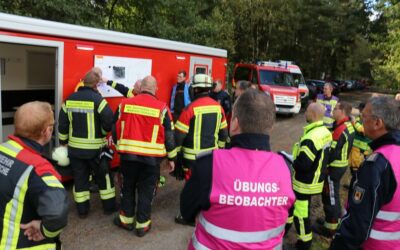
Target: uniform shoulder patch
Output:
[
  {"x": 358, "y": 194},
  {"x": 372, "y": 157}
]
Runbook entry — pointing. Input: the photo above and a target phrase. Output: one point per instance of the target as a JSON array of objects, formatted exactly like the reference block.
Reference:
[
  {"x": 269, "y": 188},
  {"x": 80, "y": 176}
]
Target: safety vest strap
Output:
[
  {"x": 13, "y": 212},
  {"x": 382, "y": 235},
  {"x": 389, "y": 216},
  {"x": 240, "y": 236}
]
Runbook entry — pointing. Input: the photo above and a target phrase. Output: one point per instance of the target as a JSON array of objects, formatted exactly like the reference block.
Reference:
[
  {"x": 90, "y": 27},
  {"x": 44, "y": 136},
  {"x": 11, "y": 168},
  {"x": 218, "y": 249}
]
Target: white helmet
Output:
[
  {"x": 202, "y": 81},
  {"x": 60, "y": 154}
]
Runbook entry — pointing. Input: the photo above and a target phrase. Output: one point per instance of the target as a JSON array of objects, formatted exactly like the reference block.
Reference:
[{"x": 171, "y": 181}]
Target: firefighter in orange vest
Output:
[
  {"x": 200, "y": 128},
  {"x": 144, "y": 136}
]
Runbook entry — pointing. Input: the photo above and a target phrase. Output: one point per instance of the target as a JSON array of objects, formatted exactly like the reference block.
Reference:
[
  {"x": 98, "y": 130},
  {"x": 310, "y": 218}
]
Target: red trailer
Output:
[{"x": 44, "y": 60}]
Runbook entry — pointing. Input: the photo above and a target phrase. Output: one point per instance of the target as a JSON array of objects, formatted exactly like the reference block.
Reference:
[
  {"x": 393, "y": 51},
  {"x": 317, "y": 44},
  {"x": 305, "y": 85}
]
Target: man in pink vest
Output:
[
  {"x": 372, "y": 220},
  {"x": 241, "y": 195}
]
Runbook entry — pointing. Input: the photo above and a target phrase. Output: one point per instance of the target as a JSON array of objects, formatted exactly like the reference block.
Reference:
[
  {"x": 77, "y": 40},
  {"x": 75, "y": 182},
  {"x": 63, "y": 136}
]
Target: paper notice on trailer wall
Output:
[{"x": 122, "y": 70}]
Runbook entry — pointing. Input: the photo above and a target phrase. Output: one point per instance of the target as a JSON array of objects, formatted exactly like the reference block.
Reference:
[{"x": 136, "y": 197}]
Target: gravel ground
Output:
[{"x": 98, "y": 232}]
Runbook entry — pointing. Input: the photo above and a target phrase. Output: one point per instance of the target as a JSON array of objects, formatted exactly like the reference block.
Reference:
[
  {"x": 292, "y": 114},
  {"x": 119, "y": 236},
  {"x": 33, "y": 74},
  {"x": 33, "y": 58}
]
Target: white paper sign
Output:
[{"x": 123, "y": 70}]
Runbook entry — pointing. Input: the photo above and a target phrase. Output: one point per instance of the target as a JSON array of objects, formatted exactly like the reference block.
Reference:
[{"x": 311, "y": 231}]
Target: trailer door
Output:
[{"x": 200, "y": 65}]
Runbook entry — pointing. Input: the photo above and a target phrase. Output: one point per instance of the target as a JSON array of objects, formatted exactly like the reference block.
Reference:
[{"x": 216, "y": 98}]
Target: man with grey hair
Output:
[
  {"x": 233, "y": 190},
  {"x": 329, "y": 101},
  {"x": 372, "y": 220}
]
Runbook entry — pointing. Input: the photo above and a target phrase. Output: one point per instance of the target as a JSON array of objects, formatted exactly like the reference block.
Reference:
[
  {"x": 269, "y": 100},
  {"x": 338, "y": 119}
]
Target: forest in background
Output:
[{"x": 336, "y": 39}]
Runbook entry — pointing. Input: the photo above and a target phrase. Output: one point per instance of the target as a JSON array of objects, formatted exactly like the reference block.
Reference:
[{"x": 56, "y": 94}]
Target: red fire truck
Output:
[
  {"x": 44, "y": 60},
  {"x": 276, "y": 80}
]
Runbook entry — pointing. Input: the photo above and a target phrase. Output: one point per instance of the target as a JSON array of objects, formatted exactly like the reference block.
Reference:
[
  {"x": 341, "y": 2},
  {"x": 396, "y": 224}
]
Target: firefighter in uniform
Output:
[
  {"x": 343, "y": 137},
  {"x": 242, "y": 194},
  {"x": 125, "y": 91},
  {"x": 329, "y": 101},
  {"x": 33, "y": 202},
  {"x": 310, "y": 161},
  {"x": 144, "y": 136},
  {"x": 360, "y": 149},
  {"x": 84, "y": 121},
  {"x": 372, "y": 220},
  {"x": 201, "y": 127}
]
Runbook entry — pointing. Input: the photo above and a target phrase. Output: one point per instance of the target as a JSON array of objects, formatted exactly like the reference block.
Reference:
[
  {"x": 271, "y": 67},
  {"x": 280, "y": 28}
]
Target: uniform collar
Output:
[
  {"x": 251, "y": 141},
  {"x": 390, "y": 138},
  {"x": 312, "y": 125},
  {"x": 27, "y": 143},
  {"x": 147, "y": 93},
  {"x": 342, "y": 121}
]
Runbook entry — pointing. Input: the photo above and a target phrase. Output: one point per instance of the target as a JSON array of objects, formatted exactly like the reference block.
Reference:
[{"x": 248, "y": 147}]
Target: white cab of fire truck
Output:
[
  {"x": 299, "y": 80},
  {"x": 275, "y": 80}
]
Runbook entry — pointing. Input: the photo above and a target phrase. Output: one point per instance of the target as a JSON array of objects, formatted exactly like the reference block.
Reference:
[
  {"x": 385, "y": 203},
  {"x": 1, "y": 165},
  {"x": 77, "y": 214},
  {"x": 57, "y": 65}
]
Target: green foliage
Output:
[{"x": 331, "y": 38}]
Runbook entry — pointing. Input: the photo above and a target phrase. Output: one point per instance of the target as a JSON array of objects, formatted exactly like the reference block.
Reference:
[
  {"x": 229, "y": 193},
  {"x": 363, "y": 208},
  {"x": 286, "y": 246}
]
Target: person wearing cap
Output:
[{"x": 200, "y": 128}]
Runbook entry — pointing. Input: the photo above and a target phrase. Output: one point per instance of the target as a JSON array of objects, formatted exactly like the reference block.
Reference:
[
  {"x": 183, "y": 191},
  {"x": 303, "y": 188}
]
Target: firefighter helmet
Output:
[{"x": 202, "y": 81}]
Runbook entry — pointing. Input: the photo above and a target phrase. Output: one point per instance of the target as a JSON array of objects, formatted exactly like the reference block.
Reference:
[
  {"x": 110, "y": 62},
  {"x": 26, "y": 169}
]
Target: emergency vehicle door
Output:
[{"x": 200, "y": 65}]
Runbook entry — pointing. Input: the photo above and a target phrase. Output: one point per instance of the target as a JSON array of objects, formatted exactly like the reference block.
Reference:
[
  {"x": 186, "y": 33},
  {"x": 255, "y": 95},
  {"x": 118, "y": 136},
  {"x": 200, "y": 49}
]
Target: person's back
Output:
[
  {"x": 33, "y": 202},
  {"x": 247, "y": 184}
]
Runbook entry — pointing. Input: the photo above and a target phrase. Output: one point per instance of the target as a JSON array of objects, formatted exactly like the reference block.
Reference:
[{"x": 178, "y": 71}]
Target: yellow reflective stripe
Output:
[
  {"x": 126, "y": 220},
  {"x": 85, "y": 146},
  {"x": 172, "y": 153},
  {"x": 154, "y": 136},
  {"x": 305, "y": 237},
  {"x": 142, "y": 225},
  {"x": 90, "y": 125},
  {"x": 87, "y": 141},
  {"x": 182, "y": 127},
  {"x": 50, "y": 234},
  {"x": 15, "y": 145},
  {"x": 130, "y": 93},
  {"x": 317, "y": 173},
  {"x": 102, "y": 105},
  {"x": 8, "y": 151},
  {"x": 134, "y": 149},
  {"x": 224, "y": 124},
  {"x": 304, "y": 188},
  {"x": 79, "y": 105},
  {"x": 172, "y": 126},
  {"x": 11, "y": 148},
  {"x": 207, "y": 109},
  {"x": 80, "y": 197},
  {"x": 62, "y": 136},
  {"x": 196, "y": 151},
  {"x": 109, "y": 192},
  {"x": 339, "y": 163},
  {"x": 141, "y": 144},
  {"x": 48, "y": 246},
  {"x": 308, "y": 152},
  {"x": 64, "y": 108},
  {"x": 301, "y": 209},
  {"x": 52, "y": 181},
  {"x": 141, "y": 110},
  {"x": 332, "y": 226},
  {"x": 289, "y": 220},
  {"x": 13, "y": 213},
  {"x": 333, "y": 144},
  {"x": 114, "y": 84},
  {"x": 163, "y": 113},
  {"x": 122, "y": 131},
  {"x": 221, "y": 144},
  {"x": 197, "y": 131}
]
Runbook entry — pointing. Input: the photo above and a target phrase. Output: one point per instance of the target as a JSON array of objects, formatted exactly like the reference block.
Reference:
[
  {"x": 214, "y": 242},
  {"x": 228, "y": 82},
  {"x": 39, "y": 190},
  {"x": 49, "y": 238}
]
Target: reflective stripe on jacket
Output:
[
  {"x": 385, "y": 231},
  {"x": 252, "y": 190}
]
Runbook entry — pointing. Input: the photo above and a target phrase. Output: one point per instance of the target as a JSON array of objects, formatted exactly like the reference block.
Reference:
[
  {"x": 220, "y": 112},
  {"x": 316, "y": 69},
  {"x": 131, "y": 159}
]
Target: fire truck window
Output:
[
  {"x": 242, "y": 74},
  {"x": 201, "y": 70},
  {"x": 254, "y": 78}
]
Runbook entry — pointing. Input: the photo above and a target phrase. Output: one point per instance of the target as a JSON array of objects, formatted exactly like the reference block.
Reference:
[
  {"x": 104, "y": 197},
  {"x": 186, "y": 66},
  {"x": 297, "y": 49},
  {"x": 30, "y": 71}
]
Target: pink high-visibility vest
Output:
[
  {"x": 251, "y": 194},
  {"x": 385, "y": 231}
]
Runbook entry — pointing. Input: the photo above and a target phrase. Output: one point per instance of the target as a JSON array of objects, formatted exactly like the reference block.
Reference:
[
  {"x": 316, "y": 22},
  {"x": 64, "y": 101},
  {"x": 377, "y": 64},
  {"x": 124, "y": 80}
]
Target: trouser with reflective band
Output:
[
  {"x": 331, "y": 197},
  {"x": 81, "y": 169},
  {"x": 143, "y": 177},
  {"x": 300, "y": 215}
]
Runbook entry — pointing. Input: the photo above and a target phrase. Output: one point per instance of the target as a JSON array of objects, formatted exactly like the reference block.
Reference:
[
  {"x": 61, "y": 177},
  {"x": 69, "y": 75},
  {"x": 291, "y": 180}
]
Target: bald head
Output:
[
  {"x": 315, "y": 112},
  {"x": 149, "y": 84},
  {"x": 137, "y": 85},
  {"x": 92, "y": 77},
  {"x": 34, "y": 126}
]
